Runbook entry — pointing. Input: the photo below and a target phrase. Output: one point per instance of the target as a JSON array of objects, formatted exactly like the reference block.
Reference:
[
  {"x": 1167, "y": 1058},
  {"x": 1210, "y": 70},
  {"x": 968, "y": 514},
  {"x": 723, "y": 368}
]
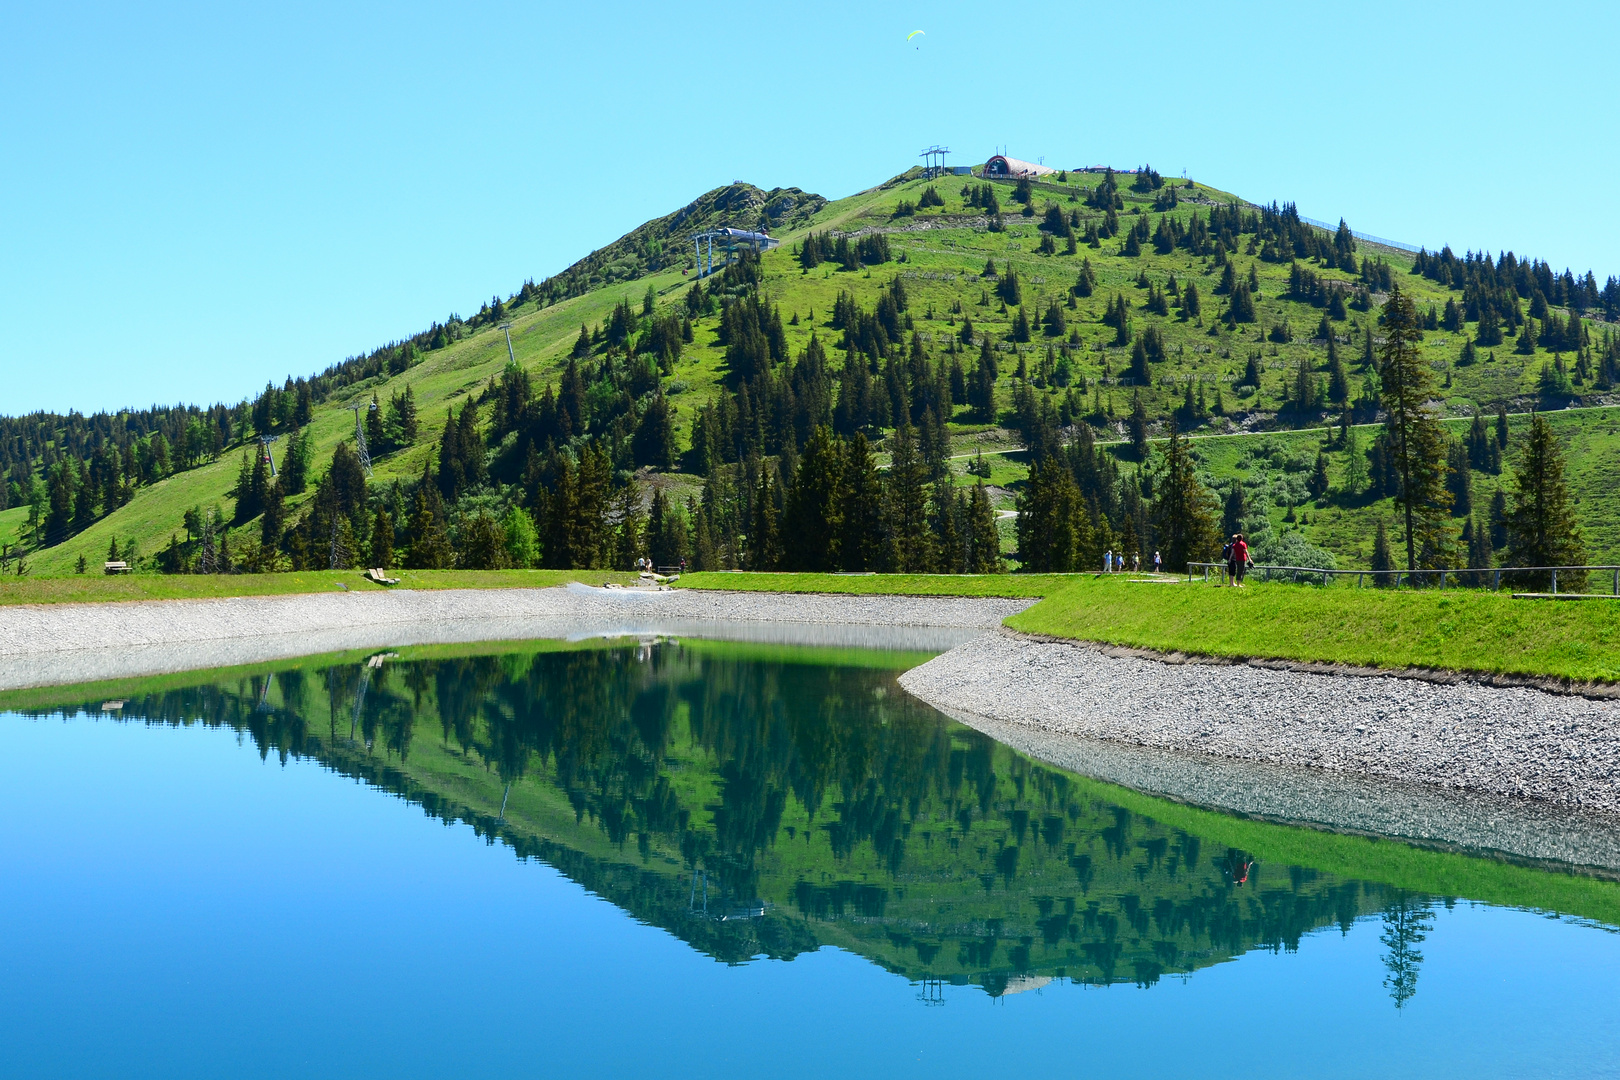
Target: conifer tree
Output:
[
  {"x": 1317, "y": 485},
  {"x": 1086, "y": 284},
  {"x": 1540, "y": 523},
  {"x": 1184, "y": 512},
  {"x": 1478, "y": 540},
  {"x": 981, "y": 389},
  {"x": 1355, "y": 463},
  {"x": 430, "y": 542},
  {"x": 295, "y": 462},
  {"x": 1338, "y": 383},
  {"x": 1460, "y": 479},
  {"x": 861, "y": 541},
  {"x": 1233, "y": 510},
  {"x": 1382, "y": 557},
  {"x": 1138, "y": 425},
  {"x": 811, "y": 525},
  {"x": 271, "y": 524},
  {"x": 1052, "y": 525},
  {"x": 654, "y": 441},
  {"x": 764, "y": 539},
  {"x": 983, "y": 542},
  {"x": 1190, "y": 306},
  {"x": 376, "y": 435},
  {"x": 907, "y": 500},
  {"x": 248, "y": 505},
  {"x": 1416, "y": 439},
  {"x": 381, "y": 550}
]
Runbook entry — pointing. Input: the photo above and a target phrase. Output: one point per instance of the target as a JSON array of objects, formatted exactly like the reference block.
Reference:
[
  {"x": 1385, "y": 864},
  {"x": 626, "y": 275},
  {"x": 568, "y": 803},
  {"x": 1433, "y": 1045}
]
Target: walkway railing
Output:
[{"x": 1464, "y": 578}]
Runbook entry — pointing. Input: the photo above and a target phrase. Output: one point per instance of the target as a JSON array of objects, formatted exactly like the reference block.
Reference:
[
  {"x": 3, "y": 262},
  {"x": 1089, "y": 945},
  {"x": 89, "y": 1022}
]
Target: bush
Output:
[{"x": 1290, "y": 548}]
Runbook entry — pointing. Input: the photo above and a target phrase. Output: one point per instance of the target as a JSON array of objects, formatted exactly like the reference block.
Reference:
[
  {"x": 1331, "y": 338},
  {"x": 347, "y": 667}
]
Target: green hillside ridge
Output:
[{"x": 940, "y": 255}]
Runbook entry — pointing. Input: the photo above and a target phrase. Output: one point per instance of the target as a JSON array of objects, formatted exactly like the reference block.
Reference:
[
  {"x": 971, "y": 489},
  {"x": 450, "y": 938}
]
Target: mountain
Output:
[{"x": 1078, "y": 287}]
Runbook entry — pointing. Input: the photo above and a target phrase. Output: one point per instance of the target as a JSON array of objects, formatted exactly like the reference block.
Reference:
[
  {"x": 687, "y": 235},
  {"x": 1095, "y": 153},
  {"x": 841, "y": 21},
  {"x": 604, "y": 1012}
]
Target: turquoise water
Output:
[{"x": 711, "y": 860}]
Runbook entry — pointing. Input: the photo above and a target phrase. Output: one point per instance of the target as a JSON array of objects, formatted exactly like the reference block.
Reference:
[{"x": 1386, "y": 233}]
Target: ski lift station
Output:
[
  {"x": 730, "y": 240},
  {"x": 1001, "y": 165}
]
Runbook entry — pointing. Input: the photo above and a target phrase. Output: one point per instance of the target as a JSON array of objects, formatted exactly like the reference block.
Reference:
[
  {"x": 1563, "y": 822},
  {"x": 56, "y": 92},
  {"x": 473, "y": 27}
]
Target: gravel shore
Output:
[
  {"x": 53, "y": 644},
  {"x": 1507, "y": 743}
]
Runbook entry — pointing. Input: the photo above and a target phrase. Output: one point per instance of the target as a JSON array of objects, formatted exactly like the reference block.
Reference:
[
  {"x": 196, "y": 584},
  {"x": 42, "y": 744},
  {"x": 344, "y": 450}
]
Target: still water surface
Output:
[{"x": 693, "y": 858}]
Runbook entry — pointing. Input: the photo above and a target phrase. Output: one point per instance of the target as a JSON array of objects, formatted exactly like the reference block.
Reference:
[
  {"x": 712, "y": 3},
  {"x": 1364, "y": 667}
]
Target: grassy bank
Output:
[
  {"x": 1014, "y": 585},
  {"x": 1459, "y": 630},
  {"x": 87, "y": 588}
]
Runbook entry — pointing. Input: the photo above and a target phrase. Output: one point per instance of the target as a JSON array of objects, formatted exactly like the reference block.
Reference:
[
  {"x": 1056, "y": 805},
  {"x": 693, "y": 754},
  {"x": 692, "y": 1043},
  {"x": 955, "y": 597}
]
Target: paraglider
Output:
[{"x": 913, "y": 34}]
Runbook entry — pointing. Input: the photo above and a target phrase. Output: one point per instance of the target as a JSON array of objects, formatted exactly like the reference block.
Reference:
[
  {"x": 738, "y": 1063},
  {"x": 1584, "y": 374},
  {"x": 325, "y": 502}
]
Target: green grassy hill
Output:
[{"x": 940, "y": 255}]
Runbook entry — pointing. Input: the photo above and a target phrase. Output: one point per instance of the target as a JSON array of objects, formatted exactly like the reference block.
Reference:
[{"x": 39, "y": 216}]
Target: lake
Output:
[{"x": 698, "y": 858}]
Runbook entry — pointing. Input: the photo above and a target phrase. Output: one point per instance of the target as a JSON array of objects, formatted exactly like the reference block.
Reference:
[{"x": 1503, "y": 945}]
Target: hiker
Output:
[
  {"x": 1240, "y": 558},
  {"x": 1108, "y": 561},
  {"x": 1226, "y": 557},
  {"x": 683, "y": 564},
  {"x": 1136, "y": 562},
  {"x": 1158, "y": 563}
]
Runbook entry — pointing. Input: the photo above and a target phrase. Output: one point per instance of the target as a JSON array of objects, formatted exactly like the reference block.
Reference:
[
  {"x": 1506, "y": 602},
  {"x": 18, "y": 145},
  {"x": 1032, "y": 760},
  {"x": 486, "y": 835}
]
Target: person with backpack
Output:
[
  {"x": 1158, "y": 563},
  {"x": 1226, "y": 557},
  {"x": 1240, "y": 558}
]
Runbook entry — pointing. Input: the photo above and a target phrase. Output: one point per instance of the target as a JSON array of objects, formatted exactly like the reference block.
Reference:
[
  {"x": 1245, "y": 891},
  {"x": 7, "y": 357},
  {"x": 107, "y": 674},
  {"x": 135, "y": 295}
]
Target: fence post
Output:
[
  {"x": 1442, "y": 579},
  {"x": 1555, "y": 582},
  {"x": 1496, "y": 581},
  {"x": 1617, "y": 581}
]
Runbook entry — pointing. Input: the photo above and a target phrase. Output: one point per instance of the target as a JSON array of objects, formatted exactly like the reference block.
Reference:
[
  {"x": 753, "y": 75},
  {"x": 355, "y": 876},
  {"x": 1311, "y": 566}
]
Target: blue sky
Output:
[{"x": 198, "y": 198}]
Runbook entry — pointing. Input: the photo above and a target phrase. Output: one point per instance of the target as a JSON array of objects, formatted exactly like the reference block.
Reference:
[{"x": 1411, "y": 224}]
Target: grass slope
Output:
[
  {"x": 1455, "y": 630},
  {"x": 943, "y": 252}
]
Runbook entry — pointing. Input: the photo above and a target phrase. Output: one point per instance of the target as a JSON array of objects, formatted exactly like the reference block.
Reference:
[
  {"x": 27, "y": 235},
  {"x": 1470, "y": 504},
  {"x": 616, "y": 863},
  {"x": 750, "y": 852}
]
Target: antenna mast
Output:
[
  {"x": 265, "y": 441},
  {"x": 507, "y": 326}
]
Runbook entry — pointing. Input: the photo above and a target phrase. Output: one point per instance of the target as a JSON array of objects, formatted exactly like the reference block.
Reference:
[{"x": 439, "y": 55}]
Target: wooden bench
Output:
[{"x": 117, "y": 567}]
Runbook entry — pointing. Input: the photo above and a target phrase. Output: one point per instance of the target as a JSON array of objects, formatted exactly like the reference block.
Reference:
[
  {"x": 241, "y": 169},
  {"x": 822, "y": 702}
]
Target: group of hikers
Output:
[
  {"x": 1114, "y": 564},
  {"x": 1235, "y": 553}
]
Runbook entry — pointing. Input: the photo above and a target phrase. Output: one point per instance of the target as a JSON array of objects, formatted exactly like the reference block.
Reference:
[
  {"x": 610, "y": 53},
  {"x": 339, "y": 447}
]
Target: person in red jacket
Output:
[{"x": 1240, "y": 560}]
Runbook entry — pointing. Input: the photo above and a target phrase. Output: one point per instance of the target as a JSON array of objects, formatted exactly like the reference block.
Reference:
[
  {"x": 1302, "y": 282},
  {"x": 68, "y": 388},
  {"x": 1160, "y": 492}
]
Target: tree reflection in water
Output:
[{"x": 804, "y": 794}]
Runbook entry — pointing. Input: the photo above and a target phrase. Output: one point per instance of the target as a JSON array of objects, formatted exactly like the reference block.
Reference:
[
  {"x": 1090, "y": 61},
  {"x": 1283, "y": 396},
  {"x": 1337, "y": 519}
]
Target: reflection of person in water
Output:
[{"x": 1236, "y": 867}]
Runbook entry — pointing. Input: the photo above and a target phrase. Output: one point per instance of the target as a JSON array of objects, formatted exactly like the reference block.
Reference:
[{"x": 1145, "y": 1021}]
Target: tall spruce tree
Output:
[
  {"x": 983, "y": 542},
  {"x": 861, "y": 540},
  {"x": 1184, "y": 512},
  {"x": 908, "y": 503},
  {"x": 1416, "y": 438},
  {"x": 1540, "y": 522},
  {"x": 764, "y": 538},
  {"x": 811, "y": 528}
]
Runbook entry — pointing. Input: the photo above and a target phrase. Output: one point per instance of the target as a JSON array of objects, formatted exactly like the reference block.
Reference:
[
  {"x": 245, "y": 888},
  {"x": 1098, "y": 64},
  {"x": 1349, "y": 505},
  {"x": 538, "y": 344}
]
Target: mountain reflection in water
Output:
[{"x": 758, "y": 801}]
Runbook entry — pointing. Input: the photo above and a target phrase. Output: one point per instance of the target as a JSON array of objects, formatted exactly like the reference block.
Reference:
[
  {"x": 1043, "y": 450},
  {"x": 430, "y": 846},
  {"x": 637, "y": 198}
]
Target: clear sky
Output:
[{"x": 201, "y": 197}]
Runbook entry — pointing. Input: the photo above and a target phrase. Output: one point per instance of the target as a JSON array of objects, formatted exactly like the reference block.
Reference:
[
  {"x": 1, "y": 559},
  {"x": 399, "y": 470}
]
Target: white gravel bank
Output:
[
  {"x": 51, "y": 644},
  {"x": 1508, "y": 743}
]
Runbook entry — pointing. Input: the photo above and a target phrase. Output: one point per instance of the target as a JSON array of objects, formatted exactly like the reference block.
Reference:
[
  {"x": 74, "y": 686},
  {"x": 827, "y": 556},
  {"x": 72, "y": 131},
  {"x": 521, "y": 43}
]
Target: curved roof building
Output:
[{"x": 1001, "y": 165}]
